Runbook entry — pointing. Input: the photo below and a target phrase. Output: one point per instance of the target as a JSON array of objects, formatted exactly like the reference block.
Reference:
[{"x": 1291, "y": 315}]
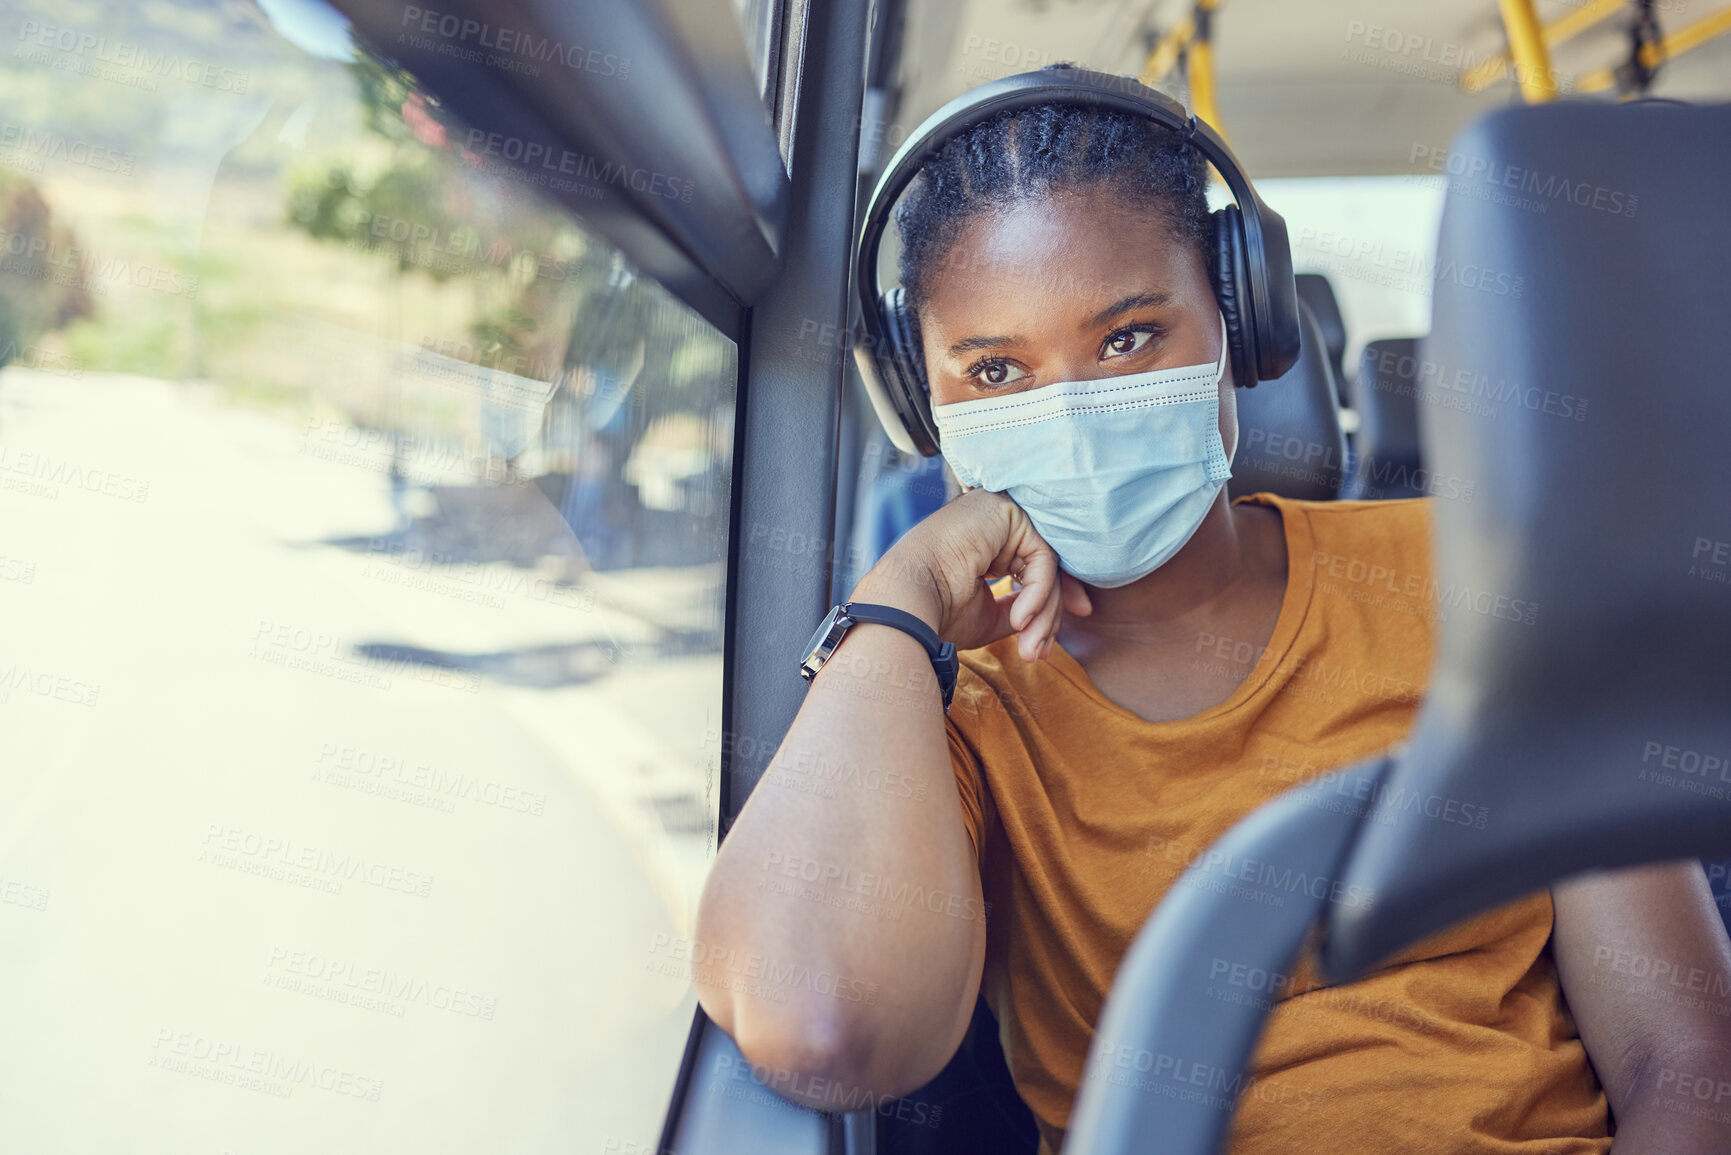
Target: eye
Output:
[
  {"x": 1131, "y": 339},
  {"x": 994, "y": 372}
]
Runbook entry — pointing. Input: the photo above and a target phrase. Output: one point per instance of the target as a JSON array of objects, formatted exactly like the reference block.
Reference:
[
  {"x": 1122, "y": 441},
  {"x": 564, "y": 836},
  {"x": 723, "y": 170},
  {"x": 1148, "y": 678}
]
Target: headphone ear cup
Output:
[
  {"x": 1232, "y": 290},
  {"x": 908, "y": 365}
]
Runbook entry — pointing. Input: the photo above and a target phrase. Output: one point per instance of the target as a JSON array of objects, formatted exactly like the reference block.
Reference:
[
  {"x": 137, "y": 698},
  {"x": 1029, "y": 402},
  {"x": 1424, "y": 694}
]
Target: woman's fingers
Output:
[
  {"x": 1040, "y": 601},
  {"x": 1039, "y": 565},
  {"x": 1076, "y": 598},
  {"x": 991, "y": 525},
  {"x": 1043, "y": 632},
  {"x": 1035, "y": 614},
  {"x": 1044, "y": 604},
  {"x": 1025, "y": 607}
]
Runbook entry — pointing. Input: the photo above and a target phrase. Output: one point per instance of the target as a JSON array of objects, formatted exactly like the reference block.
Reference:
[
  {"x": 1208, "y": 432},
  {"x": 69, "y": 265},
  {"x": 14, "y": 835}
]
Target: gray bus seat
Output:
[
  {"x": 1289, "y": 436},
  {"x": 1315, "y": 290},
  {"x": 1594, "y": 730},
  {"x": 1593, "y": 414},
  {"x": 1387, "y": 462}
]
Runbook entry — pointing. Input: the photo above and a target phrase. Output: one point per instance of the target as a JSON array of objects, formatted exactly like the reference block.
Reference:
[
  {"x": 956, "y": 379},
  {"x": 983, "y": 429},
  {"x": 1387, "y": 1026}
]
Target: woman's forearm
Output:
[{"x": 841, "y": 930}]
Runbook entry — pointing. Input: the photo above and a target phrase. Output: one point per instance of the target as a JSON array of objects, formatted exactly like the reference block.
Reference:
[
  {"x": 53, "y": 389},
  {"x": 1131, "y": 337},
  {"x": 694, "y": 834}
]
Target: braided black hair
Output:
[{"x": 1041, "y": 150}]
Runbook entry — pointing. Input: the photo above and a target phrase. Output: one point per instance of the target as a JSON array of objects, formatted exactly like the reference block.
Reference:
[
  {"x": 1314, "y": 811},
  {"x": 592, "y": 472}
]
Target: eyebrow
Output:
[
  {"x": 1134, "y": 301},
  {"x": 1123, "y": 305},
  {"x": 969, "y": 344}
]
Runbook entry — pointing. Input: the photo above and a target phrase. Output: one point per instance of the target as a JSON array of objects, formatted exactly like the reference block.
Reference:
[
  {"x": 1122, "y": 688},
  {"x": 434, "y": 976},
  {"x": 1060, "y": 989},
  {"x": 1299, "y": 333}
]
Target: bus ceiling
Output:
[{"x": 1327, "y": 88}]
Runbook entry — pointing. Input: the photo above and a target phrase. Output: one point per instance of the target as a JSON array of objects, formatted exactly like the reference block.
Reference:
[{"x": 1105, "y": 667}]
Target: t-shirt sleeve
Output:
[{"x": 970, "y": 783}]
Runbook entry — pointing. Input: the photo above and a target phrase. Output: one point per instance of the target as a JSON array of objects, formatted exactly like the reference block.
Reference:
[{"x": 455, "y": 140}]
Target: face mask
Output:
[{"x": 1116, "y": 474}]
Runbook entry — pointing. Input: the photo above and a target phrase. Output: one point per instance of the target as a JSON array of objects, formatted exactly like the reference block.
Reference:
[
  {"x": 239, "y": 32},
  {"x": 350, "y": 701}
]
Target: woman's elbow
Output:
[{"x": 821, "y": 1054}]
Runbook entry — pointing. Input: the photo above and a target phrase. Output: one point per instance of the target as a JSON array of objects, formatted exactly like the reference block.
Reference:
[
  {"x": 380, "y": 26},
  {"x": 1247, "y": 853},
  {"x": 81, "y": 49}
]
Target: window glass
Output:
[
  {"x": 365, "y": 523},
  {"x": 757, "y": 19},
  {"x": 1374, "y": 238}
]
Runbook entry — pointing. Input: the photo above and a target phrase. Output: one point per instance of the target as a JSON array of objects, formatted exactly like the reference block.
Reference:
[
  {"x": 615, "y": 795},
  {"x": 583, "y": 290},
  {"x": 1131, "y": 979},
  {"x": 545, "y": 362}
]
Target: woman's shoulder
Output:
[
  {"x": 1371, "y": 531},
  {"x": 1413, "y": 511},
  {"x": 1368, "y": 577},
  {"x": 1395, "y": 510}
]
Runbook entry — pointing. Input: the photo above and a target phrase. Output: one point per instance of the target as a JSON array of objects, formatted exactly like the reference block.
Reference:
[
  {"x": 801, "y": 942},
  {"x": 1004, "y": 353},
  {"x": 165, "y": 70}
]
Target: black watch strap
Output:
[{"x": 943, "y": 654}]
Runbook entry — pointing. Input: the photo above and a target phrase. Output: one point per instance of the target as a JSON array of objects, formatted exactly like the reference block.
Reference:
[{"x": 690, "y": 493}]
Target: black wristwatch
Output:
[{"x": 843, "y": 617}]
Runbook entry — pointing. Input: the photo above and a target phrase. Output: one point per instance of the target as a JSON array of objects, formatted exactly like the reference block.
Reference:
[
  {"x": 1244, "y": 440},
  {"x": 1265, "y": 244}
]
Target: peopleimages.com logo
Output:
[
  {"x": 583, "y": 168},
  {"x": 41, "y": 144},
  {"x": 99, "y": 51},
  {"x": 503, "y": 47}
]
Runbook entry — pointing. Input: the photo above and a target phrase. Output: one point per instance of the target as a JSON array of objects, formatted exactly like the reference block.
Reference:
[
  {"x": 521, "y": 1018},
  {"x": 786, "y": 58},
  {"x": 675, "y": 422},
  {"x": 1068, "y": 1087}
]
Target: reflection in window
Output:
[{"x": 365, "y": 532}]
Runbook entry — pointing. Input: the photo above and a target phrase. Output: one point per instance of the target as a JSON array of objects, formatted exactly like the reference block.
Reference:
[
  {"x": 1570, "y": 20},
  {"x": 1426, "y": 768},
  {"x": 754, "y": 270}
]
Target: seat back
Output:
[
  {"x": 1578, "y": 716},
  {"x": 1317, "y": 291},
  {"x": 1289, "y": 436},
  {"x": 1387, "y": 461}
]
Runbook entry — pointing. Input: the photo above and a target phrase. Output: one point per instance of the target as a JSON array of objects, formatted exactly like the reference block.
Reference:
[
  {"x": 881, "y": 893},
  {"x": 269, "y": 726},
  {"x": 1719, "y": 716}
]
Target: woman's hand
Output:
[{"x": 942, "y": 570}]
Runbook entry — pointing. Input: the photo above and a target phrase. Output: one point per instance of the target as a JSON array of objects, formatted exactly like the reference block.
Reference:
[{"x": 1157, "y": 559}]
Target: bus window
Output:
[
  {"x": 366, "y": 520},
  {"x": 758, "y": 21},
  {"x": 1374, "y": 238}
]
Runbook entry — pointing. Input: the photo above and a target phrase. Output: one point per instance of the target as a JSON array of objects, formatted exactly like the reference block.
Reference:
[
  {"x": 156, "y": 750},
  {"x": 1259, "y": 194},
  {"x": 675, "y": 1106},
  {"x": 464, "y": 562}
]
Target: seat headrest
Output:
[
  {"x": 1289, "y": 436},
  {"x": 1387, "y": 460},
  {"x": 1315, "y": 290},
  {"x": 1578, "y": 715}
]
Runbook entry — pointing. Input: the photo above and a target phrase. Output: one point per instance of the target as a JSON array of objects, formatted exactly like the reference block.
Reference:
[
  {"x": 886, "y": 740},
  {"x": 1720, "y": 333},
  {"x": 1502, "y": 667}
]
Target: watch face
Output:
[{"x": 823, "y": 643}]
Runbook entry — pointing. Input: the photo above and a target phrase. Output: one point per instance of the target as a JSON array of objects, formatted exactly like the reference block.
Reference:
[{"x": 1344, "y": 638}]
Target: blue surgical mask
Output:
[{"x": 1116, "y": 473}]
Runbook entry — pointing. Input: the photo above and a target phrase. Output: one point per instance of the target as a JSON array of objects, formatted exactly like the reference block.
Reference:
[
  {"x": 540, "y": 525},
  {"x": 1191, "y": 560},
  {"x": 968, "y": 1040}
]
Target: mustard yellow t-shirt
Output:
[{"x": 1083, "y": 815}]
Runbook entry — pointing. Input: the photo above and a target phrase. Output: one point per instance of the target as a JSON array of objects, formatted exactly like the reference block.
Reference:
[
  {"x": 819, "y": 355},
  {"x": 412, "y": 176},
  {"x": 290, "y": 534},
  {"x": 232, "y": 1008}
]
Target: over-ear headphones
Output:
[{"x": 1253, "y": 263}]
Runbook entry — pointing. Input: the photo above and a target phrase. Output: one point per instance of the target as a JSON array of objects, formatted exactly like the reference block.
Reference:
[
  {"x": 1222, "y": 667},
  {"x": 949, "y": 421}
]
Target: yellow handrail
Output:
[
  {"x": 1164, "y": 57},
  {"x": 1201, "y": 70},
  {"x": 1481, "y": 76},
  {"x": 1181, "y": 42},
  {"x": 1527, "y": 46},
  {"x": 1683, "y": 40}
]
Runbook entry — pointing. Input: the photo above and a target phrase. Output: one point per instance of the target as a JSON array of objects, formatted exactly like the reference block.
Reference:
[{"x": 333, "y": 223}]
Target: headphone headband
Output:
[{"x": 1270, "y": 308}]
